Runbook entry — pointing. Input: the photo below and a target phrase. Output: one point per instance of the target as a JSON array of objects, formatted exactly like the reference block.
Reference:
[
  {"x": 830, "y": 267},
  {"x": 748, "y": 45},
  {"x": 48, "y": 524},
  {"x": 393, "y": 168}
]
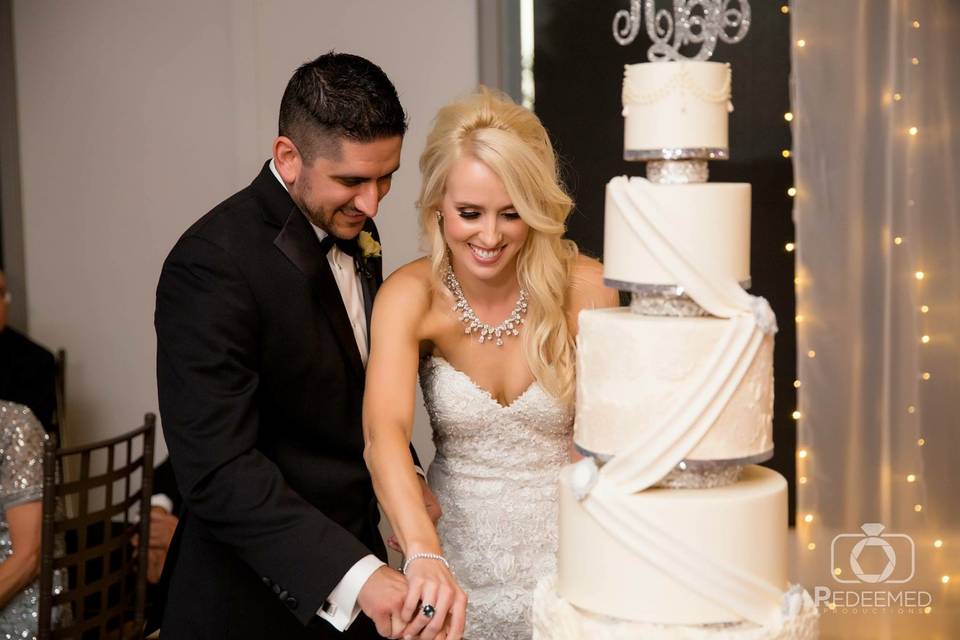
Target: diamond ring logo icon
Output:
[{"x": 874, "y": 541}]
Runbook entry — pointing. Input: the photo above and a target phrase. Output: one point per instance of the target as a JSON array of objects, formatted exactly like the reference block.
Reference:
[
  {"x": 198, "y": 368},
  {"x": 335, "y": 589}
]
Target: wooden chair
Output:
[
  {"x": 105, "y": 575},
  {"x": 60, "y": 390}
]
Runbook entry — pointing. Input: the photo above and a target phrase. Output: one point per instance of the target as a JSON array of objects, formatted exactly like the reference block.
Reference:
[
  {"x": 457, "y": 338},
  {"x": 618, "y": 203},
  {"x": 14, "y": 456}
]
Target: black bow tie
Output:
[{"x": 349, "y": 247}]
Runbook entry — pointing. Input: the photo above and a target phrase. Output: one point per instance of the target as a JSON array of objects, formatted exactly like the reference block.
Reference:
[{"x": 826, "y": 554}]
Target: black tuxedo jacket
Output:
[
  {"x": 261, "y": 385},
  {"x": 28, "y": 375}
]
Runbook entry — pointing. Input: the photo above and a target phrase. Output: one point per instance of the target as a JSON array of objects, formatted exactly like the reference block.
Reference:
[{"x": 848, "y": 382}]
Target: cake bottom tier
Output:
[
  {"x": 556, "y": 619},
  {"x": 742, "y": 526}
]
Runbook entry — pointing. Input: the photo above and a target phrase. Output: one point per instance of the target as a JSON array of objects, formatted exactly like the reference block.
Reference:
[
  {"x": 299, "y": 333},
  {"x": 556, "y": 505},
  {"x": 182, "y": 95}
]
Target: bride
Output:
[{"x": 488, "y": 320}]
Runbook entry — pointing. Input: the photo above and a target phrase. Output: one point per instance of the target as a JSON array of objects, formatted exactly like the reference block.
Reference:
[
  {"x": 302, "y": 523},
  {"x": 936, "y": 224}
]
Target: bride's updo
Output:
[{"x": 512, "y": 142}]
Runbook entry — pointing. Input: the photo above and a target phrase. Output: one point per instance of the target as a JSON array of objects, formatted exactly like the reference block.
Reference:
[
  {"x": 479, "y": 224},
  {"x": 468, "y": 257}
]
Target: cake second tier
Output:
[
  {"x": 707, "y": 225},
  {"x": 634, "y": 373}
]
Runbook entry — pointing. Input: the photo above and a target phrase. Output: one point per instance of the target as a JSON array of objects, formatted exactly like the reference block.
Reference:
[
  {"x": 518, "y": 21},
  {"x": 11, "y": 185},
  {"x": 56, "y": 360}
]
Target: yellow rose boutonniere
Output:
[{"x": 368, "y": 245}]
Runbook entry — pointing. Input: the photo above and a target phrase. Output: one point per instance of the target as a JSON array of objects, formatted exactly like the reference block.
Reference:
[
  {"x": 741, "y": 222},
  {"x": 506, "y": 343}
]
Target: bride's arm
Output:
[
  {"x": 388, "y": 406},
  {"x": 398, "y": 314}
]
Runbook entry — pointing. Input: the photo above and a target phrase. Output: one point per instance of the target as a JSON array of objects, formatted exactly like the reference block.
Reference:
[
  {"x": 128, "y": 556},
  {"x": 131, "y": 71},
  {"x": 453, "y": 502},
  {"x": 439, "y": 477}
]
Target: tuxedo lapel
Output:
[
  {"x": 299, "y": 244},
  {"x": 371, "y": 276},
  {"x": 369, "y": 291}
]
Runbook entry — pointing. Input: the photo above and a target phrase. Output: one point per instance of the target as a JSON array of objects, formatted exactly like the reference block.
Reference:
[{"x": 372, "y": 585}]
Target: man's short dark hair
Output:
[{"x": 336, "y": 96}]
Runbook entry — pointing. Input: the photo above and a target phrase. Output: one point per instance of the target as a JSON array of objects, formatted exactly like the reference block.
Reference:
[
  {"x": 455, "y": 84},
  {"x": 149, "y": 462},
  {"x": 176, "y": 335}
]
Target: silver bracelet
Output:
[{"x": 427, "y": 556}]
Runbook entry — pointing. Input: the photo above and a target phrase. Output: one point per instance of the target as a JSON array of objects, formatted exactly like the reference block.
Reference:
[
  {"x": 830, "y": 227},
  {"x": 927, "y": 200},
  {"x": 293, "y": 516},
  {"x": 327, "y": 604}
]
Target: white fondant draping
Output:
[
  {"x": 877, "y": 205},
  {"x": 646, "y": 461}
]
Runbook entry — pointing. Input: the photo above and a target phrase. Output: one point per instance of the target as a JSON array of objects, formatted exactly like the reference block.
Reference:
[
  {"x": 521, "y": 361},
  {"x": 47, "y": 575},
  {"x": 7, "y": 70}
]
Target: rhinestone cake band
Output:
[
  {"x": 677, "y": 171},
  {"x": 696, "y": 153},
  {"x": 663, "y": 300},
  {"x": 695, "y": 474}
]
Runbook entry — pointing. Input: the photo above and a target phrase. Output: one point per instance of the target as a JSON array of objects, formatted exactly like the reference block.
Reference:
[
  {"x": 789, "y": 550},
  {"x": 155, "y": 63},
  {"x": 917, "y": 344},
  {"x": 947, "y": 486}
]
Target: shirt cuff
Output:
[
  {"x": 161, "y": 500},
  {"x": 341, "y": 607}
]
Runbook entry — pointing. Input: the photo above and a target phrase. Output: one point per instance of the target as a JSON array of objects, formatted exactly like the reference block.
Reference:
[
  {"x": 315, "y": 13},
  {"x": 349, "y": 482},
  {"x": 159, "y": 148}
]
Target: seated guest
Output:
[
  {"x": 21, "y": 490},
  {"x": 27, "y": 370},
  {"x": 164, "y": 515}
]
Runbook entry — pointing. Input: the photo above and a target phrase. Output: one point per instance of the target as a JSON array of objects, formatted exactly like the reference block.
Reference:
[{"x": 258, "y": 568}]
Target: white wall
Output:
[{"x": 138, "y": 117}]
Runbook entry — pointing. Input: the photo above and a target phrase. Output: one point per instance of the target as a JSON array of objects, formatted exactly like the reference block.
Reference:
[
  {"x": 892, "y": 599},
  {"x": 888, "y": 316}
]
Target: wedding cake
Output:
[{"x": 668, "y": 528}]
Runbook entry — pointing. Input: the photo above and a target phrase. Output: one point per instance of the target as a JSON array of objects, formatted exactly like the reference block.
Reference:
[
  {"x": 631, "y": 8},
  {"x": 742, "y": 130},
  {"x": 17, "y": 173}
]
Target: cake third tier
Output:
[{"x": 636, "y": 374}]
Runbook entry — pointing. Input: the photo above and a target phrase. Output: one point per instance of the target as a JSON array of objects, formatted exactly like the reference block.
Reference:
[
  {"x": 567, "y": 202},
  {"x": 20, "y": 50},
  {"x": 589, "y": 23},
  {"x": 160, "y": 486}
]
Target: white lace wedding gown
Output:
[{"x": 495, "y": 476}]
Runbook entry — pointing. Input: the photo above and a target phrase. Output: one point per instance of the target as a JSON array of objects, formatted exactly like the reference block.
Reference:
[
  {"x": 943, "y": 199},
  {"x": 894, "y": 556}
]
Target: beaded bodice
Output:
[{"x": 496, "y": 476}]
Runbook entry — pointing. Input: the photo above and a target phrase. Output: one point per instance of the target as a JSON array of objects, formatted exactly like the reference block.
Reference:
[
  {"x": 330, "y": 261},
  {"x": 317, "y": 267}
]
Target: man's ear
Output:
[{"x": 287, "y": 159}]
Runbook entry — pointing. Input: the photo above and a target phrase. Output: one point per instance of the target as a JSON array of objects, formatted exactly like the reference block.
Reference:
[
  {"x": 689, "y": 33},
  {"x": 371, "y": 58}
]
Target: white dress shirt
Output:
[{"x": 341, "y": 607}]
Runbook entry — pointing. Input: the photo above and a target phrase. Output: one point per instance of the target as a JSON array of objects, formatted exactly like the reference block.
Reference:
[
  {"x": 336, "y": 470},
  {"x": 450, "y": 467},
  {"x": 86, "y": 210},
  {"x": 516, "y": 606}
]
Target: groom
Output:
[{"x": 262, "y": 318}]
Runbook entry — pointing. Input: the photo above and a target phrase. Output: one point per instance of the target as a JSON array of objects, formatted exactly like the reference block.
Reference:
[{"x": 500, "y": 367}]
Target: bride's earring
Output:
[{"x": 439, "y": 217}]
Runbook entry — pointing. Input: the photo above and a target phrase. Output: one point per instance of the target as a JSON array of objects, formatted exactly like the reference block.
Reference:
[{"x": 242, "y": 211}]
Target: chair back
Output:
[
  {"x": 60, "y": 394},
  {"x": 104, "y": 575}
]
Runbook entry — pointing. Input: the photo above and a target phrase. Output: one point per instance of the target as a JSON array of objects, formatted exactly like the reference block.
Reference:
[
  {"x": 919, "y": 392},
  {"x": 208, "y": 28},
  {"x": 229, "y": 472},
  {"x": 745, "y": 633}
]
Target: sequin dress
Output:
[
  {"x": 496, "y": 477},
  {"x": 21, "y": 481}
]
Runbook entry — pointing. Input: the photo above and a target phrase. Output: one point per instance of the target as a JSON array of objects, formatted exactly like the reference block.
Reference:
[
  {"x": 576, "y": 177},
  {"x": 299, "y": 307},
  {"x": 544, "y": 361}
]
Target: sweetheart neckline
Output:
[{"x": 483, "y": 391}]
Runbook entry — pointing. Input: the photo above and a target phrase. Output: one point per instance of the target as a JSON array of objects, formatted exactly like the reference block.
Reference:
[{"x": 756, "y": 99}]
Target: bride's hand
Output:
[{"x": 429, "y": 582}]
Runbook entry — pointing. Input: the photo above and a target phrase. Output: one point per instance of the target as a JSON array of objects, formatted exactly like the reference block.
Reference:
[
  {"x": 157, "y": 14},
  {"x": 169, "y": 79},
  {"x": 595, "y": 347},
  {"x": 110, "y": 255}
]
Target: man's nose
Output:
[{"x": 367, "y": 200}]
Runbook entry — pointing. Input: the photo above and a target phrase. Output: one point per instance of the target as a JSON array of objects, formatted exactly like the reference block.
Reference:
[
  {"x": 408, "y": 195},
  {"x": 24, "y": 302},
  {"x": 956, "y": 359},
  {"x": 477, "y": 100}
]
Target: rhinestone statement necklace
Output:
[{"x": 473, "y": 324}]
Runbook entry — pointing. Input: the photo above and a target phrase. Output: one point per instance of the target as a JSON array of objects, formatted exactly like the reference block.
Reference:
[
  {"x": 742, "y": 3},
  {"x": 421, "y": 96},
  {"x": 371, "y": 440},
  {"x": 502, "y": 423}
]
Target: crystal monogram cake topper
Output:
[{"x": 726, "y": 20}]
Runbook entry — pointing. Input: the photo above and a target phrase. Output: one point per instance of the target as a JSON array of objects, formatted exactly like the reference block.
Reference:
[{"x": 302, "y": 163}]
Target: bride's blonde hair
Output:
[{"x": 512, "y": 142}]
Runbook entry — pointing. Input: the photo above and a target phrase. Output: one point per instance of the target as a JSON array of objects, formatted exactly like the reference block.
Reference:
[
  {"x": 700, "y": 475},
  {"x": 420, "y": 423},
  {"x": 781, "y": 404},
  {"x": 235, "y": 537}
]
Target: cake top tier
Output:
[{"x": 675, "y": 110}]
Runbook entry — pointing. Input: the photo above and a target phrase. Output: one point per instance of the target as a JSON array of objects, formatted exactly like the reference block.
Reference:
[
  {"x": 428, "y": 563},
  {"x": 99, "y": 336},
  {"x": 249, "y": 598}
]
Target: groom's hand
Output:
[{"x": 382, "y": 598}]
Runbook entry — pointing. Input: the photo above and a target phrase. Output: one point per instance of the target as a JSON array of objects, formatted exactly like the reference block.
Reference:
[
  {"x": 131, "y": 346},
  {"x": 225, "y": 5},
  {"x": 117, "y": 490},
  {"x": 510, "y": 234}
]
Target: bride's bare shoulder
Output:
[{"x": 409, "y": 286}]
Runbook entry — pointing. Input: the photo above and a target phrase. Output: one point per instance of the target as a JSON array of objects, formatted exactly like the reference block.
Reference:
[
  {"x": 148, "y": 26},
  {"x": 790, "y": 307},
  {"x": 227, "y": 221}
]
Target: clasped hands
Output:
[{"x": 398, "y": 603}]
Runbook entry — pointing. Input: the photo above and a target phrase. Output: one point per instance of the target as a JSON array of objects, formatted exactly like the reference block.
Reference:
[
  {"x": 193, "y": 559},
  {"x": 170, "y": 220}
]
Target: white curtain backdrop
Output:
[{"x": 876, "y": 104}]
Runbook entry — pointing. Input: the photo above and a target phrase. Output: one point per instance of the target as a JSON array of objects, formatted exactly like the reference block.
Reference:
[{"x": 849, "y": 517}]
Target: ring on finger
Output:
[{"x": 428, "y": 610}]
